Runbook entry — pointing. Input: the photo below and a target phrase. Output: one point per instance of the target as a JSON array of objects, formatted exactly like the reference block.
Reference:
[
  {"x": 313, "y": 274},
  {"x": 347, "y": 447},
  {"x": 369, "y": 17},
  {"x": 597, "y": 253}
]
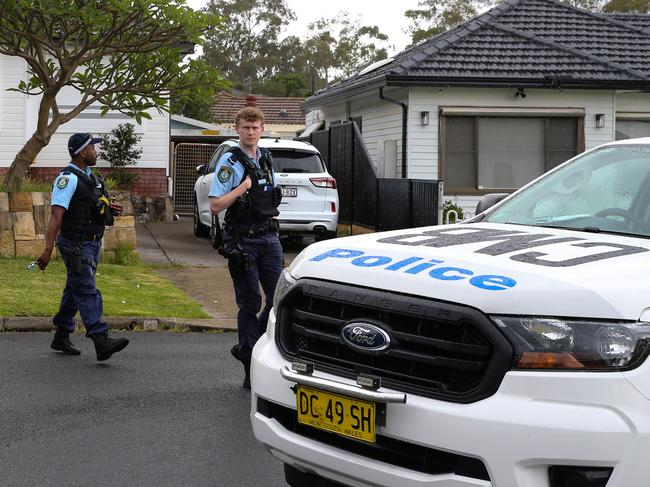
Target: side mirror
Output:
[
  {"x": 489, "y": 200},
  {"x": 201, "y": 169}
]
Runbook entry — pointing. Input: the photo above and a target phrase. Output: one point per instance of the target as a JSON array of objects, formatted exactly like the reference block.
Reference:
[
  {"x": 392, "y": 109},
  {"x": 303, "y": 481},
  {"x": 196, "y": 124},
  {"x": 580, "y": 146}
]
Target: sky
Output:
[{"x": 387, "y": 15}]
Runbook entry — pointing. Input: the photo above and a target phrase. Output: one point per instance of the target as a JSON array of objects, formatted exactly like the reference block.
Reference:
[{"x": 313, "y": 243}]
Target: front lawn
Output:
[{"x": 135, "y": 290}]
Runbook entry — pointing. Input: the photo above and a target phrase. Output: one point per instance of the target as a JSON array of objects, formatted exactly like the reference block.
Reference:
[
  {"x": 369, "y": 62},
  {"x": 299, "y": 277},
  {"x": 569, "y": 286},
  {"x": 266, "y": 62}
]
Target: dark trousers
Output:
[
  {"x": 80, "y": 293},
  {"x": 265, "y": 262}
]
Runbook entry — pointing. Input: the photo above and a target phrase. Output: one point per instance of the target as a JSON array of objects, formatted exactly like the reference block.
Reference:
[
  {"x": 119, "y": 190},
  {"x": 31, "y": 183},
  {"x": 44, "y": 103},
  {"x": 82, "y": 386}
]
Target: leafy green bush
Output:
[
  {"x": 450, "y": 206},
  {"x": 124, "y": 179},
  {"x": 119, "y": 149}
]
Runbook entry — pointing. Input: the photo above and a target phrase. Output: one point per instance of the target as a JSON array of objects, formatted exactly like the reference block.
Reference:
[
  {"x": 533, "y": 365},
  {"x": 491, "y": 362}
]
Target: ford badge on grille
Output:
[{"x": 365, "y": 336}]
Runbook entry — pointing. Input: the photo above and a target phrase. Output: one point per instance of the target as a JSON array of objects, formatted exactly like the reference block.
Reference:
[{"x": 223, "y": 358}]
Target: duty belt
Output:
[
  {"x": 84, "y": 237},
  {"x": 254, "y": 230}
]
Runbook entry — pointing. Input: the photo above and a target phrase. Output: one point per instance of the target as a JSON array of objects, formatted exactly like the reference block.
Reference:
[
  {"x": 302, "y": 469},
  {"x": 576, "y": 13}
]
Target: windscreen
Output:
[
  {"x": 605, "y": 190},
  {"x": 293, "y": 161}
]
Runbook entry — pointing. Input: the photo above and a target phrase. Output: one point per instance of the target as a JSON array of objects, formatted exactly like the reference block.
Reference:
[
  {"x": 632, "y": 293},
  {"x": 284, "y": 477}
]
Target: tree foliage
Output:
[
  {"x": 124, "y": 55},
  {"x": 250, "y": 46},
  {"x": 432, "y": 17},
  {"x": 341, "y": 45},
  {"x": 246, "y": 44},
  {"x": 632, "y": 6}
]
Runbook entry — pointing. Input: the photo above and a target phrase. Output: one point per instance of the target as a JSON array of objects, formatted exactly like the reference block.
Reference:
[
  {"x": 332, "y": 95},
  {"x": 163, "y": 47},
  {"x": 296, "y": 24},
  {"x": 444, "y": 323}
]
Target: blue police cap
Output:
[{"x": 77, "y": 142}]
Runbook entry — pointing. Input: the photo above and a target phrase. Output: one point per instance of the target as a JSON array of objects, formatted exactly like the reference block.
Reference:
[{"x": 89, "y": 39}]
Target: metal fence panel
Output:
[
  {"x": 364, "y": 199},
  {"x": 341, "y": 166},
  {"x": 424, "y": 202},
  {"x": 365, "y": 184},
  {"x": 393, "y": 204},
  {"x": 186, "y": 157}
]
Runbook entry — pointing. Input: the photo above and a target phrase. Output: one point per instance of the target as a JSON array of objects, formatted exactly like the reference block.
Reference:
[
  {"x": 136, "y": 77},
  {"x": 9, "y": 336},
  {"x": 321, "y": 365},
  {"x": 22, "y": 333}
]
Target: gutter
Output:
[{"x": 405, "y": 111}]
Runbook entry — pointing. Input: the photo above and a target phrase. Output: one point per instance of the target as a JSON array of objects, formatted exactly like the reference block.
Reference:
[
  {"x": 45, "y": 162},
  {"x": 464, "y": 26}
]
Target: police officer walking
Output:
[
  {"x": 79, "y": 212},
  {"x": 244, "y": 186}
]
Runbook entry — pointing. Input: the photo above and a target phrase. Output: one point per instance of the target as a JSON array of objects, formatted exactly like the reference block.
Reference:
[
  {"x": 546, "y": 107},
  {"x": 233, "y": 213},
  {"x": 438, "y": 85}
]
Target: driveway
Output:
[{"x": 194, "y": 266}]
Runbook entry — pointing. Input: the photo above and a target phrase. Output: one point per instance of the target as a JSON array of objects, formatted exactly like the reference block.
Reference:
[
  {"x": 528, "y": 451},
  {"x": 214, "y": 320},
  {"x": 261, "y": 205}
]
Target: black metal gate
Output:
[
  {"x": 366, "y": 200},
  {"x": 186, "y": 157}
]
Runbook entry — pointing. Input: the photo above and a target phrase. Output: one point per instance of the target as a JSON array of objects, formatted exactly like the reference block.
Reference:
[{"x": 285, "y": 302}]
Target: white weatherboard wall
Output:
[
  {"x": 18, "y": 116},
  {"x": 12, "y": 109},
  {"x": 423, "y": 140},
  {"x": 381, "y": 127}
]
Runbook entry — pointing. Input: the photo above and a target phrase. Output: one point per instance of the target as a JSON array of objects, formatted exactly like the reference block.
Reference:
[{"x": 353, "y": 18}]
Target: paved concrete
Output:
[
  {"x": 174, "y": 243},
  {"x": 204, "y": 273}
]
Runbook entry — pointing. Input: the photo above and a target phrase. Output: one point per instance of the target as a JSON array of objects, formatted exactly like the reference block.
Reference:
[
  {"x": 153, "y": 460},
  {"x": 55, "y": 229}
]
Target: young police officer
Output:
[
  {"x": 80, "y": 210},
  {"x": 244, "y": 184}
]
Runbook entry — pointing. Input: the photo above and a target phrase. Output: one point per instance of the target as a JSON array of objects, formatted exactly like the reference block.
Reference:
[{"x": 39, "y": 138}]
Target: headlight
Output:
[
  {"x": 555, "y": 343},
  {"x": 285, "y": 283}
]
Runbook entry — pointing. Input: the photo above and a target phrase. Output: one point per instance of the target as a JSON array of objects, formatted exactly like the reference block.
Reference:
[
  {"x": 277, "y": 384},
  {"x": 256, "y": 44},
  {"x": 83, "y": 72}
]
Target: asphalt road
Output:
[{"x": 167, "y": 411}]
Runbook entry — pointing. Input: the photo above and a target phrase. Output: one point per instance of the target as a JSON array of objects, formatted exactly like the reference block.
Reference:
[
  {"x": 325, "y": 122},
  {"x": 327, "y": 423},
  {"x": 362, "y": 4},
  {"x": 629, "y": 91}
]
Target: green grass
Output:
[{"x": 134, "y": 290}]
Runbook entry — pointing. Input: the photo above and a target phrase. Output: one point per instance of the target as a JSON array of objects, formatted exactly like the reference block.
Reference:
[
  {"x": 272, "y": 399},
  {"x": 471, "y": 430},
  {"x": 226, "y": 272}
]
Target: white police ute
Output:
[{"x": 509, "y": 351}]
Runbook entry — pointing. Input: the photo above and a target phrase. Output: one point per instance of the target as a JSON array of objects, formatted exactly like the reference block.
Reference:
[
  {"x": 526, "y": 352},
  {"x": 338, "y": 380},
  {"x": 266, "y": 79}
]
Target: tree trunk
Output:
[{"x": 18, "y": 169}]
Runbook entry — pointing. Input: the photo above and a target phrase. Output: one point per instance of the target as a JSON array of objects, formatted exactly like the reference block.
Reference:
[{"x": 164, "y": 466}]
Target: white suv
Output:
[
  {"x": 508, "y": 351},
  {"x": 310, "y": 201}
]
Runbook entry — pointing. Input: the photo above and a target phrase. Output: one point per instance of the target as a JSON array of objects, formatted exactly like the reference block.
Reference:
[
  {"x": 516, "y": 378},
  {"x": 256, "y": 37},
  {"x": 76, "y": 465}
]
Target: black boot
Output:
[
  {"x": 234, "y": 351},
  {"x": 105, "y": 347},
  {"x": 61, "y": 342},
  {"x": 247, "y": 372}
]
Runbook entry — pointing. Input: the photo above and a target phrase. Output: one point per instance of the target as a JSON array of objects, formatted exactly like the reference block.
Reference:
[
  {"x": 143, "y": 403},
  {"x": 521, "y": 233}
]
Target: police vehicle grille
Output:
[{"x": 442, "y": 350}]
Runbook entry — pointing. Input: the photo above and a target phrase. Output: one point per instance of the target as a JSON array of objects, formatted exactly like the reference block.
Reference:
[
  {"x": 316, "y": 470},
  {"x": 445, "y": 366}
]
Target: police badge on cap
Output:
[{"x": 77, "y": 142}]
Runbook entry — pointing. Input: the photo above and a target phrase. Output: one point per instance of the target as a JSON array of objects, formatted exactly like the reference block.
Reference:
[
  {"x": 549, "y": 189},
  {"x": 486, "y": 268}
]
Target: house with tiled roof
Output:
[
  {"x": 498, "y": 100},
  {"x": 283, "y": 115}
]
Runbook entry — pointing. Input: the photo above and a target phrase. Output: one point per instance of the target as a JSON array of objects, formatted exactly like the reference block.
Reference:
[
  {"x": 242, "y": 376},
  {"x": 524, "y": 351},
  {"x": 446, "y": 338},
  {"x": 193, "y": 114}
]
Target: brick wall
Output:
[{"x": 151, "y": 182}]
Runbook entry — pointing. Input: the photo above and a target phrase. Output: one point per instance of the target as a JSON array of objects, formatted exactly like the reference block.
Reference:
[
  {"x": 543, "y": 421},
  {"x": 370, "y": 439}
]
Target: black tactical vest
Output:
[
  {"x": 261, "y": 201},
  {"x": 82, "y": 219}
]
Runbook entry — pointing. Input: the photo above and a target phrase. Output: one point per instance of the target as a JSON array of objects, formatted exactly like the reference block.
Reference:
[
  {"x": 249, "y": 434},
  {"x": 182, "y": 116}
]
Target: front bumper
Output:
[{"x": 536, "y": 419}]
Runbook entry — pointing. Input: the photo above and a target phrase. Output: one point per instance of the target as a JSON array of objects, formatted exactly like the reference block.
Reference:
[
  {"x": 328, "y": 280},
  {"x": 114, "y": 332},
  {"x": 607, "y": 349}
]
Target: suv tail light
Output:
[{"x": 323, "y": 182}]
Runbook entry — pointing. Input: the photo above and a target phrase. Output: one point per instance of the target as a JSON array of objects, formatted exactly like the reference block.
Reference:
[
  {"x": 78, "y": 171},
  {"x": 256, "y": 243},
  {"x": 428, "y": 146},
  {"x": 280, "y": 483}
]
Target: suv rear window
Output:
[{"x": 295, "y": 161}]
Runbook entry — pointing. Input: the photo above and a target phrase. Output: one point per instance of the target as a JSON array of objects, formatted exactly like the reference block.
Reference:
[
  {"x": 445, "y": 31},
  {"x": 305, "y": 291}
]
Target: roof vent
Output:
[
  {"x": 376, "y": 65},
  {"x": 284, "y": 113},
  {"x": 251, "y": 101}
]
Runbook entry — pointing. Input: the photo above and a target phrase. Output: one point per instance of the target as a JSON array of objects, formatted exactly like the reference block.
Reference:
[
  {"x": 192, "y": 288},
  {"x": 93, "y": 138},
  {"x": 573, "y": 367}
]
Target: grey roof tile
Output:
[{"x": 536, "y": 42}]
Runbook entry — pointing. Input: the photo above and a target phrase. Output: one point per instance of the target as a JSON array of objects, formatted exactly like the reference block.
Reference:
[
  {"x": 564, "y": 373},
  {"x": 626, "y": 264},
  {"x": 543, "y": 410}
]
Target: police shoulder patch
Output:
[
  {"x": 62, "y": 182},
  {"x": 224, "y": 174}
]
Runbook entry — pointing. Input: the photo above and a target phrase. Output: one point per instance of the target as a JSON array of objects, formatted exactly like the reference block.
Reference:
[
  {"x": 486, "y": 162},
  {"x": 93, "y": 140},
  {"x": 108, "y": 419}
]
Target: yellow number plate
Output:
[{"x": 338, "y": 414}]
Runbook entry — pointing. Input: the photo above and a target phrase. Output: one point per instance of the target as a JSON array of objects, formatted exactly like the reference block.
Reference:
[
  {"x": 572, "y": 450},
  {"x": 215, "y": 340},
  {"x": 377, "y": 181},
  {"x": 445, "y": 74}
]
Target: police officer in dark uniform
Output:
[
  {"x": 244, "y": 184},
  {"x": 79, "y": 212}
]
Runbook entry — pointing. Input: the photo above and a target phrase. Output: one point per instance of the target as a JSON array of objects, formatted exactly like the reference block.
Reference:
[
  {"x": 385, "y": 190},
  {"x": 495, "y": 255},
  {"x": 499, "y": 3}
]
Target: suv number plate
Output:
[
  {"x": 338, "y": 414},
  {"x": 292, "y": 192}
]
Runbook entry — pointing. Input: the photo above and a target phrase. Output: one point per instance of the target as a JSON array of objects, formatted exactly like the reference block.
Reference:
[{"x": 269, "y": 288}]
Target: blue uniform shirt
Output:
[
  {"x": 64, "y": 187},
  {"x": 227, "y": 176}
]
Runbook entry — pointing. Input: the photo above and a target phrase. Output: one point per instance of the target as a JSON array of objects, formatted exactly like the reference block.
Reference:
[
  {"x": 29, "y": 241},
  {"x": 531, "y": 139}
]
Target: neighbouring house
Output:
[
  {"x": 498, "y": 100},
  {"x": 18, "y": 117},
  {"x": 283, "y": 116}
]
